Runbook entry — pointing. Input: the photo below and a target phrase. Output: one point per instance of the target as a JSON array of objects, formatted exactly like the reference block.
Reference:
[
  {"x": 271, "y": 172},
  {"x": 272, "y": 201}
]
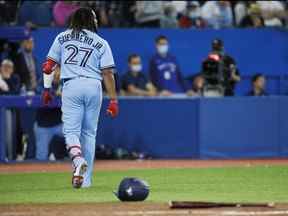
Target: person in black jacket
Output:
[
  {"x": 225, "y": 67},
  {"x": 26, "y": 68},
  {"x": 26, "y": 65},
  {"x": 9, "y": 82}
]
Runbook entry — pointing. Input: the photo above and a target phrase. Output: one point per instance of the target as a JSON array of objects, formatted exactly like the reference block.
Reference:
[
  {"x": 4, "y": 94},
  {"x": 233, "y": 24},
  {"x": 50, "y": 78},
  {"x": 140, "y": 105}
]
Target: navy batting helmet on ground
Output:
[{"x": 132, "y": 189}]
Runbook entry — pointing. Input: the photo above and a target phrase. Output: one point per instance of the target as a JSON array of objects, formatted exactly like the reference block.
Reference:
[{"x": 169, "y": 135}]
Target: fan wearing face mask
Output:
[
  {"x": 134, "y": 82},
  {"x": 165, "y": 71}
]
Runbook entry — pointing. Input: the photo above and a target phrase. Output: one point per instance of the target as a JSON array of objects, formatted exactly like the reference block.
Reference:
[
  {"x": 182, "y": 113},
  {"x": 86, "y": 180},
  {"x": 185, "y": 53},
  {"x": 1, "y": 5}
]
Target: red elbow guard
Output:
[{"x": 48, "y": 66}]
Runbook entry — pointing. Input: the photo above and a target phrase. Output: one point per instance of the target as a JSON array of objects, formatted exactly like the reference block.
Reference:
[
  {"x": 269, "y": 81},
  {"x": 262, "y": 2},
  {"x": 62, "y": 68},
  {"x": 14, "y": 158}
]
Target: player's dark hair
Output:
[
  {"x": 82, "y": 18},
  {"x": 256, "y": 76},
  {"x": 130, "y": 57},
  {"x": 161, "y": 37}
]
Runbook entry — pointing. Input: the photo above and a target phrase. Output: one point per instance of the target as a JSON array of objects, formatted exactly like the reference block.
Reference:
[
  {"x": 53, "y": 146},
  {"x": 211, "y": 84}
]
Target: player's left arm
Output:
[
  {"x": 109, "y": 82},
  {"x": 107, "y": 66}
]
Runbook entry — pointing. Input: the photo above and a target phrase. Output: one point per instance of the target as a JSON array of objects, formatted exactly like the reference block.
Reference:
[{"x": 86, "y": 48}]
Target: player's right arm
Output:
[{"x": 53, "y": 59}]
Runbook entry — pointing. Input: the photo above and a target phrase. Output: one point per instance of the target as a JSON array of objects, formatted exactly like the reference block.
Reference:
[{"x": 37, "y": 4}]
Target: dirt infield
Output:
[
  {"x": 147, "y": 164},
  {"x": 133, "y": 209}
]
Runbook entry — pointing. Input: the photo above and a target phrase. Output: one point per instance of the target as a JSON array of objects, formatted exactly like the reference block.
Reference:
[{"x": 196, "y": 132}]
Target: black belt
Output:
[{"x": 67, "y": 79}]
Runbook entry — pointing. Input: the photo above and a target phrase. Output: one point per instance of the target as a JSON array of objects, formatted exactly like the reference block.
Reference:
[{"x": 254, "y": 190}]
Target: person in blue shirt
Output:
[
  {"x": 134, "y": 82},
  {"x": 164, "y": 71}
]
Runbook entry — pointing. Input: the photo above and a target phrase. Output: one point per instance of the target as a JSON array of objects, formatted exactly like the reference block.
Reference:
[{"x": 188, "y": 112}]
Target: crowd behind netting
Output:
[{"x": 164, "y": 14}]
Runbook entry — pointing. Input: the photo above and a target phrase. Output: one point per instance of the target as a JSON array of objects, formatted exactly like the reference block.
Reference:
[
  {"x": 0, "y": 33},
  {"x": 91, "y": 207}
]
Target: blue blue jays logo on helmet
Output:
[{"x": 132, "y": 189}]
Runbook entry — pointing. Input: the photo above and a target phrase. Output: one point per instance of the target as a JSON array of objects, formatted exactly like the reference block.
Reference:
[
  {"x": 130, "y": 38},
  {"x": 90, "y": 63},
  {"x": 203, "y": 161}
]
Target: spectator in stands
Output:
[
  {"x": 35, "y": 13},
  {"x": 273, "y": 12},
  {"x": 218, "y": 14},
  {"x": 253, "y": 18},
  {"x": 120, "y": 13},
  {"x": 164, "y": 71},
  {"x": 192, "y": 16},
  {"x": 100, "y": 8},
  {"x": 134, "y": 82},
  {"x": 179, "y": 6},
  {"x": 9, "y": 82},
  {"x": 258, "y": 85},
  {"x": 48, "y": 124},
  {"x": 240, "y": 10},
  {"x": 149, "y": 13},
  {"x": 8, "y": 11},
  {"x": 113, "y": 13},
  {"x": 26, "y": 66},
  {"x": 128, "y": 13},
  {"x": 169, "y": 20},
  {"x": 62, "y": 11},
  {"x": 197, "y": 86},
  {"x": 5, "y": 51}
]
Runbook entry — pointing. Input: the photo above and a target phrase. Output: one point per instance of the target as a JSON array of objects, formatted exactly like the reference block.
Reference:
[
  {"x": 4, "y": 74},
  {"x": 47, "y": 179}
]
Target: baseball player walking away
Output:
[{"x": 85, "y": 59}]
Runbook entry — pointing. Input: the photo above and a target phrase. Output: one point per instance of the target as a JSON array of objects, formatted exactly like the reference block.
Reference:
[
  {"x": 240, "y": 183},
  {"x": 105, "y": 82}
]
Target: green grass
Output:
[{"x": 213, "y": 184}]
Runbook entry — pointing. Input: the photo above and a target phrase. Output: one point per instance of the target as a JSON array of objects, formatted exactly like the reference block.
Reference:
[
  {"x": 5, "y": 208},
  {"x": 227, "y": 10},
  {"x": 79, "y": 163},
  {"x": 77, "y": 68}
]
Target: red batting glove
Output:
[
  {"x": 46, "y": 97},
  {"x": 48, "y": 66},
  {"x": 113, "y": 108}
]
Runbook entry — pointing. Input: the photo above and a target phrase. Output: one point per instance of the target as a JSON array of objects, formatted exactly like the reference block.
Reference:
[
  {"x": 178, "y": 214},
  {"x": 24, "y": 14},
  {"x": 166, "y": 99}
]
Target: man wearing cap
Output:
[
  {"x": 9, "y": 82},
  {"x": 226, "y": 67}
]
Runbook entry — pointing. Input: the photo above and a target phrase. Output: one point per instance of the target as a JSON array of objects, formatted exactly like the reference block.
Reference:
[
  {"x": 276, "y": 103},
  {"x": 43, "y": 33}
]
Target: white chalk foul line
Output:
[
  {"x": 132, "y": 213},
  {"x": 255, "y": 213},
  {"x": 207, "y": 213}
]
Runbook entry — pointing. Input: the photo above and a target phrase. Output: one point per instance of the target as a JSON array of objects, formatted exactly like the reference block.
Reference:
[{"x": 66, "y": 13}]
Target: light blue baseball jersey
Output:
[{"x": 81, "y": 54}]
